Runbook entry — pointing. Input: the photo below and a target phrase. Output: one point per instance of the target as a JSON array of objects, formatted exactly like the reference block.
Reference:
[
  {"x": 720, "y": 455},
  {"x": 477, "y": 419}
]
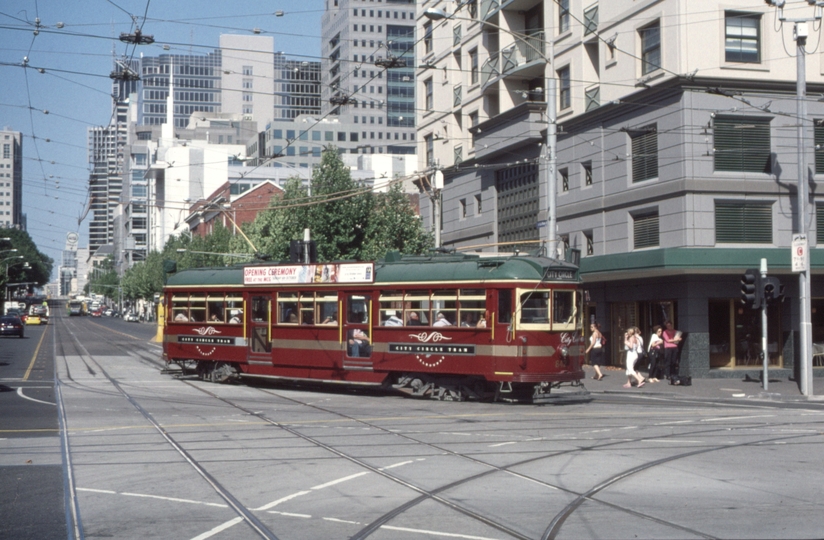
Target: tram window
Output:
[
  {"x": 357, "y": 309},
  {"x": 260, "y": 308},
  {"x": 563, "y": 309},
  {"x": 446, "y": 303},
  {"x": 504, "y": 306},
  {"x": 327, "y": 308},
  {"x": 234, "y": 308},
  {"x": 416, "y": 302},
  {"x": 197, "y": 308},
  {"x": 535, "y": 307},
  {"x": 307, "y": 308},
  {"x": 288, "y": 308},
  {"x": 391, "y": 306},
  {"x": 472, "y": 306},
  {"x": 180, "y": 308},
  {"x": 215, "y": 309}
]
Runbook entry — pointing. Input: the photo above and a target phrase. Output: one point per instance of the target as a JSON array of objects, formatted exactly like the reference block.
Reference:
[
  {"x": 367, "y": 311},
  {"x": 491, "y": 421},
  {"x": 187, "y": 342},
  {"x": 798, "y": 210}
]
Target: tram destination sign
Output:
[
  {"x": 206, "y": 340},
  {"x": 426, "y": 348},
  {"x": 286, "y": 274},
  {"x": 560, "y": 274}
]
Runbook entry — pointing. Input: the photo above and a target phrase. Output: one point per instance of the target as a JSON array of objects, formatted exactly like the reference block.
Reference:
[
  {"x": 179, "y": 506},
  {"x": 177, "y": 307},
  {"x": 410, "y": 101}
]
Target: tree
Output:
[
  {"x": 104, "y": 279},
  {"x": 38, "y": 271},
  {"x": 346, "y": 220}
]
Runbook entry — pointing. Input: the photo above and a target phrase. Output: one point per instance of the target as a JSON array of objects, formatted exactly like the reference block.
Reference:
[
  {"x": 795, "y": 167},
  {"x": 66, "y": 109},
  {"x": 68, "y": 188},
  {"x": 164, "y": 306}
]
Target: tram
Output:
[{"x": 445, "y": 326}]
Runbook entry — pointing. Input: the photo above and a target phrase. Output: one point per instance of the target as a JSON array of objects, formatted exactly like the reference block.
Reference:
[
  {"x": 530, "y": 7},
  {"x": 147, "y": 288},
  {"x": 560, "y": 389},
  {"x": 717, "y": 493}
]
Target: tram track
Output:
[{"x": 555, "y": 525}]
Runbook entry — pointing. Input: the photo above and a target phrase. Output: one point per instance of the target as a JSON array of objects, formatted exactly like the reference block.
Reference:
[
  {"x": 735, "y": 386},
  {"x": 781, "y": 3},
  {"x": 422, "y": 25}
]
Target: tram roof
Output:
[{"x": 415, "y": 269}]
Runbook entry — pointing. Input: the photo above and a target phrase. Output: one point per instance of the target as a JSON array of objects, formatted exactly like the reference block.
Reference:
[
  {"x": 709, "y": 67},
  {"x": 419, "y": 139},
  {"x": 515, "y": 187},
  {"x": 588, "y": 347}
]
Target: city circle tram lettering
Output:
[
  {"x": 204, "y": 340},
  {"x": 423, "y": 348}
]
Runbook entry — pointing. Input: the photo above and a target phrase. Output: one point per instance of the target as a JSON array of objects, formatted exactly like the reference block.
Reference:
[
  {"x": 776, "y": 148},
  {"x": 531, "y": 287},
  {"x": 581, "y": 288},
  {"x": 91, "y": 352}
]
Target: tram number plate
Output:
[
  {"x": 414, "y": 348},
  {"x": 206, "y": 340}
]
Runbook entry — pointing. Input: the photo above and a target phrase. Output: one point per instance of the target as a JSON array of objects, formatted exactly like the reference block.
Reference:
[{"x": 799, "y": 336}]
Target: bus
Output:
[
  {"x": 76, "y": 307},
  {"x": 445, "y": 326}
]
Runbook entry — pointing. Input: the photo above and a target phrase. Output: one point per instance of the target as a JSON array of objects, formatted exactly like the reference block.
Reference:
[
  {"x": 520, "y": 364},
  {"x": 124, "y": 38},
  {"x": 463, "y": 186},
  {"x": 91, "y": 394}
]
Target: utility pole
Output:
[
  {"x": 800, "y": 32},
  {"x": 552, "y": 155}
]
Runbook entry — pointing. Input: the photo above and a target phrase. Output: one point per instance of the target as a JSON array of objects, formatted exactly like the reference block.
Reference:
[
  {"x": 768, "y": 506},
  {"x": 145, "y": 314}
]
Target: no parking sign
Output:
[{"x": 800, "y": 253}]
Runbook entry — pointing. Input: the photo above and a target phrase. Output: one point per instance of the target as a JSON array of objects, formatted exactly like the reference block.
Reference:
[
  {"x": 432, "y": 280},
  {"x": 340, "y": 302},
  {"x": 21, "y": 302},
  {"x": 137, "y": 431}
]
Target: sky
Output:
[{"x": 74, "y": 48}]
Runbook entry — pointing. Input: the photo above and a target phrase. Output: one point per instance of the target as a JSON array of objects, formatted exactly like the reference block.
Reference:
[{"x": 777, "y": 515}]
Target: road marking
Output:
[
  {"x": 340, "y": 480},
  {"x": 147, "y": 496},
  {"x": 336, "y": 520},
  {"x": 435, "y": 533},
  {"x": 284, "y": 499},
  {"x": 501, "y": 444},
  {"x": 289, "y": 514},
  {"x": 722, "y": 418},
  {"x": 34, "y": 356},
  {"x": 22, "y": 395},
  {"x": 219, "y": 528}
]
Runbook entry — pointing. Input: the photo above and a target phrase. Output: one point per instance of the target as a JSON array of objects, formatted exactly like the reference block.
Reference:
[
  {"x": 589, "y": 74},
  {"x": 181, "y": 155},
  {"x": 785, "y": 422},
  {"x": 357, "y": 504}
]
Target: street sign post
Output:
[{"x": 800, "y": 253}]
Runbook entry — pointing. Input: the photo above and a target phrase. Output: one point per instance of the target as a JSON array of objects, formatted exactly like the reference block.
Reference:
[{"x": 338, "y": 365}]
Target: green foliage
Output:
[
  {"x": 40, "y": 265},
  {"x": 347, "y": 220},
  {"x": 104, "y": 279}
]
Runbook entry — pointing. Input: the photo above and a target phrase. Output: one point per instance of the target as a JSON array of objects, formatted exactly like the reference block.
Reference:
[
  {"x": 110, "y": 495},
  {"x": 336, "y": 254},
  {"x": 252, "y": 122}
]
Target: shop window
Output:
[{"x": 735, "y": 335}]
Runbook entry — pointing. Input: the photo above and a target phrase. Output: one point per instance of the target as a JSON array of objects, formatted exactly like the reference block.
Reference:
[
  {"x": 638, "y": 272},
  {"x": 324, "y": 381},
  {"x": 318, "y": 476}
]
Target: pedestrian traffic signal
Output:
[
  {"x": 773, "y": 290},
  {"x": 751, "y": 289}
]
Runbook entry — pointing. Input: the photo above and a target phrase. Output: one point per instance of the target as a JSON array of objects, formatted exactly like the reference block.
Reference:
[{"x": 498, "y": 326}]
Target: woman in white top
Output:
[
  {"x": 633, "y": 343},
  {"x": 656, "y": 353},
  {"x": 596, "y": 350}
]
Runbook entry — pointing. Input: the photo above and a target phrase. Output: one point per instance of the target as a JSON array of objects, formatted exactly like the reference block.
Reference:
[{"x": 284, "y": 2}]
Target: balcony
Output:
[
  {"x": 491, "y": 7},
  {"x": 524, "y": 59}
]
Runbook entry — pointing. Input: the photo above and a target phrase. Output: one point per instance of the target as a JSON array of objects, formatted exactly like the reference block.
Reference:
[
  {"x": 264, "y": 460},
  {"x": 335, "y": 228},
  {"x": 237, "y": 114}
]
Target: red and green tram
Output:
[{"x": 454, "y": 326}]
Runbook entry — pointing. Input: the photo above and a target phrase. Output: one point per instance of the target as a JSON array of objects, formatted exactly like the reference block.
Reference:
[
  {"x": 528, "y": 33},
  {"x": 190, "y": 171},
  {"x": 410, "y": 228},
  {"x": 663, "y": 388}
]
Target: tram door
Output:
[
  {"x": 259, "y": 326},
  {"x": 357, "y": 351}
]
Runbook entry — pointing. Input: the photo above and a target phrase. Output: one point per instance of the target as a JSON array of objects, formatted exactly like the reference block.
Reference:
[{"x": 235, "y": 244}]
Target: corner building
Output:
[{"x": 676, "y": 157}]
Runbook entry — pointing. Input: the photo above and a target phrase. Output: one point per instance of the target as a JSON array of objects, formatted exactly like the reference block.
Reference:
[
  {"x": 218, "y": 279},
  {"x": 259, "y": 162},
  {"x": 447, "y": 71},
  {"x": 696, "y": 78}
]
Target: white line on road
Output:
[
  {"x": 22, "y": 395},
  {"x": 435, "y": 533},
  {"x": 290, "y": 514},
  {"x": 336, "y": 520},
  {"x": 146, "y": 496},
  {"x": 340, "y": 480},
  {"x": 501, "y": 444},
  {"x": 220, "y": 528},
  {"x": 722, "y": 418}
]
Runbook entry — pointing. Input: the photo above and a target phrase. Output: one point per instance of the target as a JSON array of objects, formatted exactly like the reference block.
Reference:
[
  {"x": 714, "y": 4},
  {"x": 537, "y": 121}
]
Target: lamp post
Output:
[
  {"x": 436, "y": 14},
  {"x": 6, "y": 273}
]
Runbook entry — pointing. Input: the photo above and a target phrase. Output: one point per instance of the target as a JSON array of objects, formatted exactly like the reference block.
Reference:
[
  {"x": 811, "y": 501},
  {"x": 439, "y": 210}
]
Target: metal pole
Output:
[
  {"x": 805, "y": 316},
  {"x": 552, "y": 159},
  {"x": 765, "y": 356},
  {"x": 436, "y": 203}
]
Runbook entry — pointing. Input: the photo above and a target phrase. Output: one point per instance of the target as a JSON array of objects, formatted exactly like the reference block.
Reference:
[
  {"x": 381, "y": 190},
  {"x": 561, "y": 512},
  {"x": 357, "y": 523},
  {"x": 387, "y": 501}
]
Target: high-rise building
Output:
[
  {"x": 368, "y": 72},
  {"x": 11, "y": 179},
  {"x": 677, "y": 159},
  {"x": 105, "y": 145},
  {"x": 297, "y": 88}
]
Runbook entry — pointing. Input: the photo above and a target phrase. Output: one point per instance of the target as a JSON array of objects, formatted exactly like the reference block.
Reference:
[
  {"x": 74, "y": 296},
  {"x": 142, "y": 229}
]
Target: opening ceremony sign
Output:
[{"x": 287, "y": 274}]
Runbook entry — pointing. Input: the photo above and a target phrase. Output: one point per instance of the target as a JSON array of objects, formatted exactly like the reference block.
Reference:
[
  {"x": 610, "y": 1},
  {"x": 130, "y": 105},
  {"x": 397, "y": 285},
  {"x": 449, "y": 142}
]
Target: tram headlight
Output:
[{"x": 564, "y": 350}]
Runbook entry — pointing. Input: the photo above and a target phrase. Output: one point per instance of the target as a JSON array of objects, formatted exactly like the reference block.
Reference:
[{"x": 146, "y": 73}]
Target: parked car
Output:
[
  {"x": 131, "y": 317},
  {"x": 96, "y": 313},
  {"x": 11, "y": 326},
  {"x": 33, "y": 320}
]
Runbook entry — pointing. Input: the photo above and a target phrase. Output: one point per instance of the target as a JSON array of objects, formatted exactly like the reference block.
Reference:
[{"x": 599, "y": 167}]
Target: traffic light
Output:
[
  {"x": 751, "y": 289},
  {"x": 773, "y": 290}
]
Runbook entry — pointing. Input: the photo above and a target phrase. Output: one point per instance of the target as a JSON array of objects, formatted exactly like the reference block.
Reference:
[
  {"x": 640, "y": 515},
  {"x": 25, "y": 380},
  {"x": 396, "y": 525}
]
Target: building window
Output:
[
  {"x": 428, "y": 93},
  {"x": 472, "y": 8},
  {"x": 473, "y": 121},
  {"x": 650, "y": 48},
  {"x": 644, "y": 154},
  {"x": 565, "y": 88},
  {"x": 743, "y": 222},
  {"x": 247, "y": 71},
  {"x": 645, "y": 230},
  {"x": 458, "y": 154},
  {"x": 819, "y": 146},
  {"x": 819, "y": 224},
  {"x": 742, "y": 37},
  {"x": 478, "y": 205},
  {"x": 463, "y": 208},
  {"x": 564, "y": 174},
  {"x": 473, "y": 66},
  {"x": 742, "y": 144},
  {"x": 563, "y": 15},
  {"x": 429, "y": 142},
  {"x": 591, "y": 20},
  {"x": 590, "y": 244},
  {"x": 427, "y": 38},
  {"x": 587, "y": 171}
]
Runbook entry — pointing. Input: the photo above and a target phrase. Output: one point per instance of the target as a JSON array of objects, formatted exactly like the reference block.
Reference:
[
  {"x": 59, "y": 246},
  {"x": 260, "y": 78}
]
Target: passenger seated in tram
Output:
[
  {"x": 481, "y": 322},
  {"x": 308, "y": 318},
  {"x": 359, "y": 343},
  {"x": 331, "y": 318},
  {"x": 181, "y": 317},
  {"x": 468, "y": 321},
  {"x": 214, "y": 318},
  {"x": 414, "y": 319},
  {"x": 235, "y": 314},
  {"x": 442, "y": 320},
  {"x": 392, "y": 319}
]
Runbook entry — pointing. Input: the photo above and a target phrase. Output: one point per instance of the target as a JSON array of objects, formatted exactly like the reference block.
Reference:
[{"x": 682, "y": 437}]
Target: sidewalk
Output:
[{"x": 737, "y": 388}]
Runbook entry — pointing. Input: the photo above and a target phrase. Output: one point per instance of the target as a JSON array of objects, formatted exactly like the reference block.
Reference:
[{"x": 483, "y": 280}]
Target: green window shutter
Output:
[
  {"x": 645, "y": 230},
  {"x": 743, "y": 223},
  {"x": 742, "y": 144},
  {"x": 645, "y": 154},
  {"x": 819, "y": 146},
  {"x": 819, "y": 224}
]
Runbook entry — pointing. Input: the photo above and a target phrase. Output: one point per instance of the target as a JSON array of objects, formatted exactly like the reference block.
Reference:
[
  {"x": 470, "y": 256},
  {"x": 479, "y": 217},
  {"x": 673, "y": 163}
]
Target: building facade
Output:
[
  {"x": 11, "y": 179},
  {"x": 380, "y": 97},
  {"x": 676, "y": 163},
  {"x": 297, "y": 88}
]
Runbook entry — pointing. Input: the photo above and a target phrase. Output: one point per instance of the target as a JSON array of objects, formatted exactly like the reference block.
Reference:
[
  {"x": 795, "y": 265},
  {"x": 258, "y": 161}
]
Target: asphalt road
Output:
[{"x": 112, "y": 447}]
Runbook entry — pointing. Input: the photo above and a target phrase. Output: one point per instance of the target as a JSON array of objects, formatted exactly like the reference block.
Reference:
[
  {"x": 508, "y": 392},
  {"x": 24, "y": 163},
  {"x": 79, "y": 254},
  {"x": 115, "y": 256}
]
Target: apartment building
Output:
[
  {"x": 11, "y": 179},
  {"x": 676, "y": 166},
  {"x": 361, "y": 84}
]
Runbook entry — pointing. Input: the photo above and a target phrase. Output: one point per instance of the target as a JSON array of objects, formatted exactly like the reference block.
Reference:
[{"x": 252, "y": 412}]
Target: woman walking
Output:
[
  {"x": 633, "y": 343},
  {"x": 596, "y": 346},
  {"x": 656, "y": 353}
]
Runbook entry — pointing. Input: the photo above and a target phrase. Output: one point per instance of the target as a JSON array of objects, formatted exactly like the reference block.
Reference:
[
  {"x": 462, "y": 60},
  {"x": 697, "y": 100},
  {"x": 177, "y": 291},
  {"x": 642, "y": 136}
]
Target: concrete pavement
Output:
[{"x": 778, "y": 389}]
